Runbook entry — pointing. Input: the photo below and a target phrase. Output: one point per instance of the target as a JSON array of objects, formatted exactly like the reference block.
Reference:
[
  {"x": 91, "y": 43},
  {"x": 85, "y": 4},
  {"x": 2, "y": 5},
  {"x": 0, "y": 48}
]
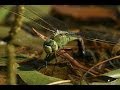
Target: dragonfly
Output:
[{"x": 60, "y": 34}]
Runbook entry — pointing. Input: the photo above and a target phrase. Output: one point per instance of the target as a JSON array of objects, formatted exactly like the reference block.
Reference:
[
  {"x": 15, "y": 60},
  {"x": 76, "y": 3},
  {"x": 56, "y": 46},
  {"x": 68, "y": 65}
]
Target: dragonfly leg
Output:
[
  {"x": 46, "y": 64},
  {"x": 56, "y": 57},
  {"x": 42, "y": 65},
  {"x": 81, "y": 49},
  {"x": 81, "y": 45},
  {"x": 55, "y": 64},
  {"x": 56, "y": 60},
  {"x": 47, "y": 59}
]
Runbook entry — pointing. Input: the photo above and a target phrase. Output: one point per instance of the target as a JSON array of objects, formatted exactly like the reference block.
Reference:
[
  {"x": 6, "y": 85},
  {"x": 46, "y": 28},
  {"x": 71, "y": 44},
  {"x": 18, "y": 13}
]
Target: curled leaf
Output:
[{"x": 113, "y": 74}]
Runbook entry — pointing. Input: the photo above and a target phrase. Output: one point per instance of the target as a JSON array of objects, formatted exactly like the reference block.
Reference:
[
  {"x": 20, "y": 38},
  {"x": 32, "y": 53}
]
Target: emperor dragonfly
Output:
[
  {"x": 58, "y": 39},
  {"x": 60, "y": 35}
]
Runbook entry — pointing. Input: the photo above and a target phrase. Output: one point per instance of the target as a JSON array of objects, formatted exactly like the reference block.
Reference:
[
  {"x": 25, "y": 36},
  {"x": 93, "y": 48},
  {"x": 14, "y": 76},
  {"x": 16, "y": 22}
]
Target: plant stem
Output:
[{"x": 11, "y": 64}]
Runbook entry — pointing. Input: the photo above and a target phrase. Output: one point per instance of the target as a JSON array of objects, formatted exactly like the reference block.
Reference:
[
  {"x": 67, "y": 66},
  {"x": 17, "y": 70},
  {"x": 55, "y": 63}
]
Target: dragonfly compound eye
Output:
[
  {"x": 47, "y": 49},
  {"x": 50, "y": 46}
]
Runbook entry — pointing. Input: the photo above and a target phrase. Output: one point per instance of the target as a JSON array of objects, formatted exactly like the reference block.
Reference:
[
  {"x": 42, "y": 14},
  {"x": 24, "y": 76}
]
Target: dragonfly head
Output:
[{"x": 50, "y": 46}]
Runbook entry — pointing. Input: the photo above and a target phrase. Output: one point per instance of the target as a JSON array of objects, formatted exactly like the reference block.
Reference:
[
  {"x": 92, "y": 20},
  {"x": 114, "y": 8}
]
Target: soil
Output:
[{"x": 3, "y": 78}]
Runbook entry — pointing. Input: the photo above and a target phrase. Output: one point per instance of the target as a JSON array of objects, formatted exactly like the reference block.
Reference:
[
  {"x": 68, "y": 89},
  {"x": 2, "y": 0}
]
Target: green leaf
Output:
[
  {"x": 3, "y": 14},
  {"x": 83, "y": 82},
  {"x": 19, "y": 58},
  {"x": 115, "y": 82},
  {"x": 113, "y": 73},
  {"x": 99, "y": 83},
  {"x": 22, "y": 38},
  {"x": 33, "y": 77}
]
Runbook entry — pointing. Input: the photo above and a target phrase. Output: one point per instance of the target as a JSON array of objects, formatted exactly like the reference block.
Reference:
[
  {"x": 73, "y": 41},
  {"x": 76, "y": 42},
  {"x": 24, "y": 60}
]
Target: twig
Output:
[
  {"x": 75, "y": 63},
  {"x": 116, "y": 57},
  {"x": 60, "y": 82}
]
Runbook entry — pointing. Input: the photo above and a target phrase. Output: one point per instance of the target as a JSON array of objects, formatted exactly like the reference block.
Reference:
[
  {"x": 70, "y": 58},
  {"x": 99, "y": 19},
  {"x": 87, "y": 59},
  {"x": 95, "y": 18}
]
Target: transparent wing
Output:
[
  {"x": 48, "y": 18},
  {"x": 37, "y": 16},
  {"x": 102, "y": 35}
]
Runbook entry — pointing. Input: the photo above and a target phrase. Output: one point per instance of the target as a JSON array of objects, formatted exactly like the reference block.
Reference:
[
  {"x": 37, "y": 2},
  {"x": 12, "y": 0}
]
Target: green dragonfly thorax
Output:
[
  {"x": 60, "y": 32},
  {"x": 59, "y": 40},
  {"x": 63, "y": 39}
]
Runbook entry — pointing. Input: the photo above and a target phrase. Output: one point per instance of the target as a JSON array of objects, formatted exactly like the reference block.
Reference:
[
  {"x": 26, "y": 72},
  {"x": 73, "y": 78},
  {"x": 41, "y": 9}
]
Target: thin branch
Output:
[
  {"x": 74, "y": 62},
  {"x": 60, "y": 82},
  {"x": 116, "y": 57}
]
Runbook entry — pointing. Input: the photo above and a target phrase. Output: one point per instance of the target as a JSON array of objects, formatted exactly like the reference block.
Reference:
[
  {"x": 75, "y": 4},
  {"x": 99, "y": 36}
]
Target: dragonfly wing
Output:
[
  {"x": 108, "y": 36},
  {"x": 52, "y": 21},
  {"x": 35, "y": 17}
]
